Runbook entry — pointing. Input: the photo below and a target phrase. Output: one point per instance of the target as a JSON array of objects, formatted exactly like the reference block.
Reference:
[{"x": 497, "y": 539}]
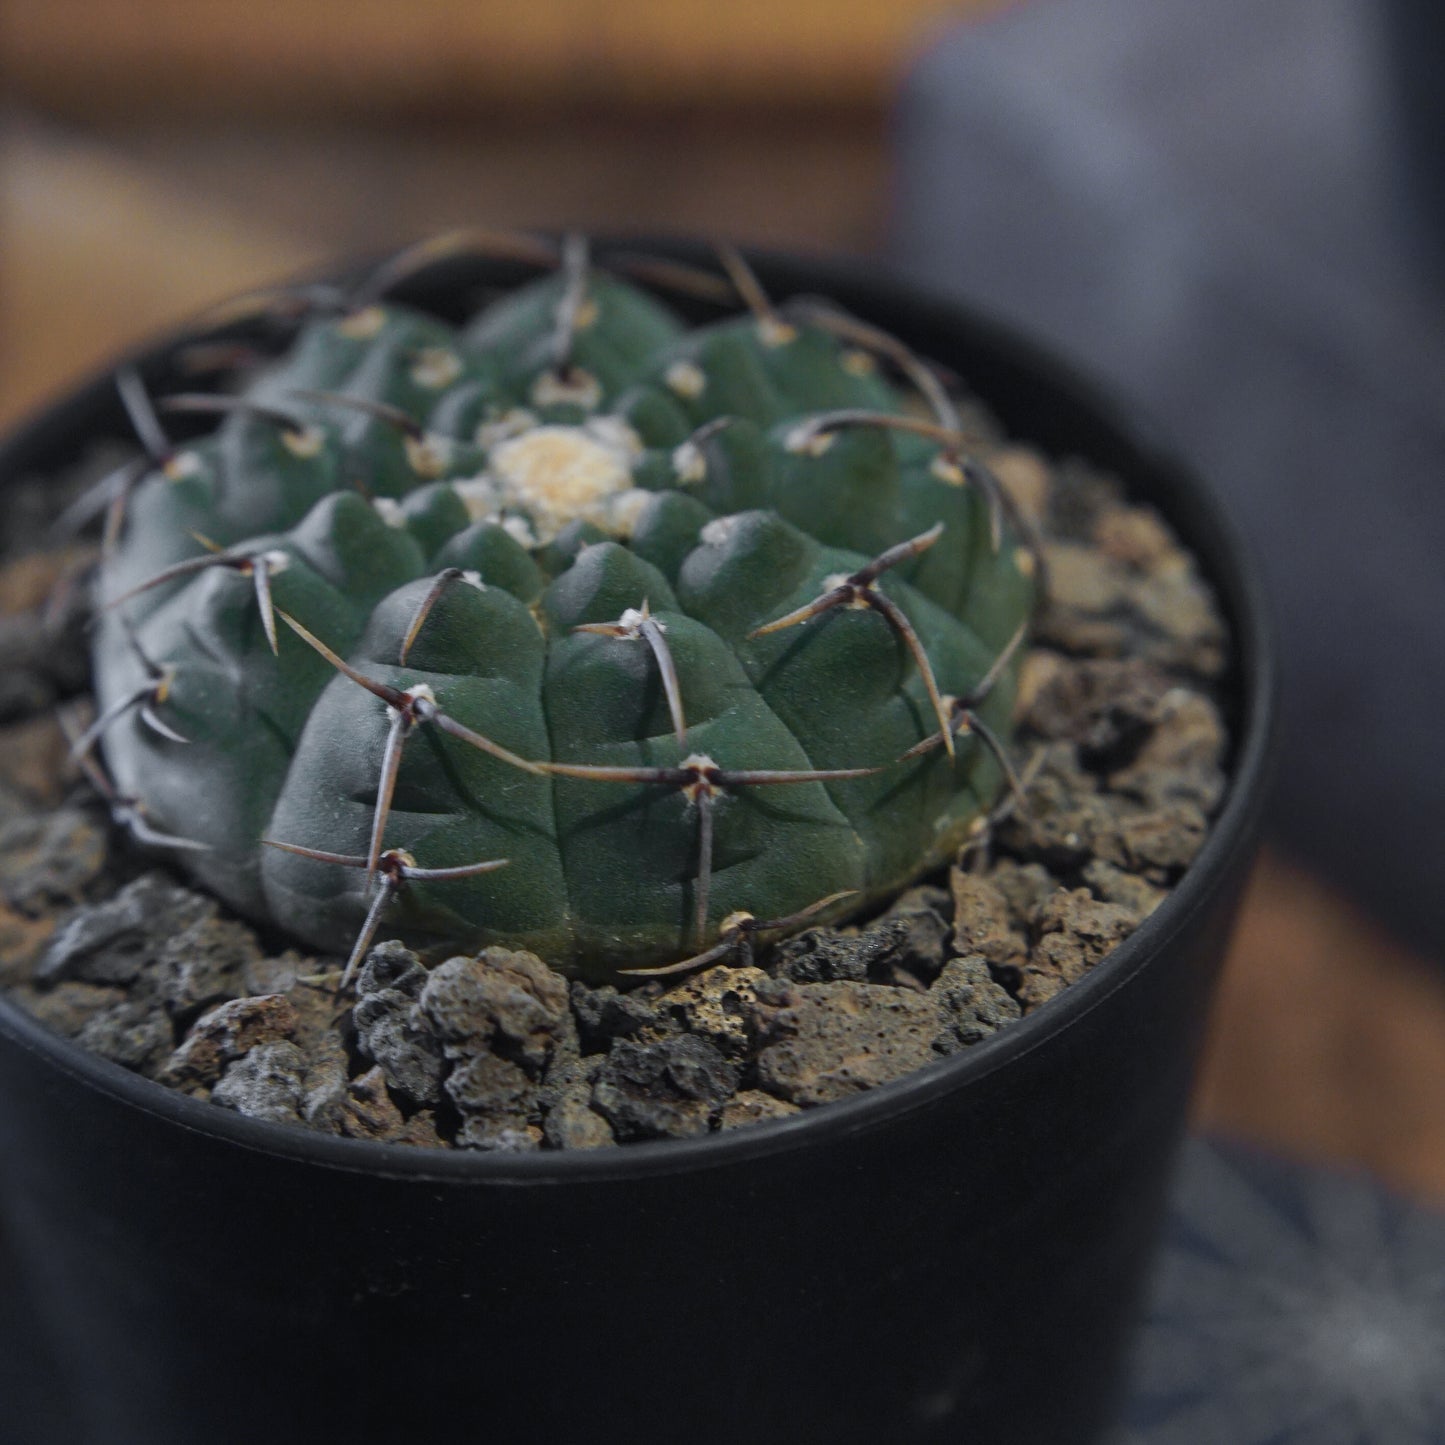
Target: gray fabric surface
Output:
[{"x": 1200, "y": 202}]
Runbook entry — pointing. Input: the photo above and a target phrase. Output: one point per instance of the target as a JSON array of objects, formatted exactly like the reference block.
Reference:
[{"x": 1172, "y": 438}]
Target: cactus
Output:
[{"x": 575, "y": 628}]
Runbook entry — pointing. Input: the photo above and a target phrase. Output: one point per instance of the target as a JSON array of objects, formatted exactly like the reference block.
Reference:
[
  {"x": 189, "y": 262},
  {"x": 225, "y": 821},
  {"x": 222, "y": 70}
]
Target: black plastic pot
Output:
[{"x": 951, "y": 1257}]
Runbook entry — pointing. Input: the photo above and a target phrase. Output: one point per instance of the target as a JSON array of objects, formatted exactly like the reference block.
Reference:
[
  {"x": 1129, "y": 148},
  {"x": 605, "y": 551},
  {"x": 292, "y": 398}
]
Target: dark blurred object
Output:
[
  {"x": 1417, "y": 39},
  {"x": 1290, "y": 1303},
  {"x": 1203, "y": 202}
]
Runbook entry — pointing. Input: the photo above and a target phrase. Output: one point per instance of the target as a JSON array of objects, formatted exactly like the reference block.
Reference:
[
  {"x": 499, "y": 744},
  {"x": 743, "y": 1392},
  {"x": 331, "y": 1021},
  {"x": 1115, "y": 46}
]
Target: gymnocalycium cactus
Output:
[{"x": 573, "y": 629}]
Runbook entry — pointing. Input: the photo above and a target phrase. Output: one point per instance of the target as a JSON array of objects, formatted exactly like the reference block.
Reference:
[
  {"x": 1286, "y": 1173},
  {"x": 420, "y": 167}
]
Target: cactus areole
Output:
[{"x": 575, "y": 628}]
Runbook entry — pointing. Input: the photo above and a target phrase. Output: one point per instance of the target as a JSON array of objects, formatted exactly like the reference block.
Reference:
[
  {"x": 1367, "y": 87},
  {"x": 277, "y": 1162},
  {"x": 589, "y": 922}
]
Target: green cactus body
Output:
[{"x": 443, "y": 508}]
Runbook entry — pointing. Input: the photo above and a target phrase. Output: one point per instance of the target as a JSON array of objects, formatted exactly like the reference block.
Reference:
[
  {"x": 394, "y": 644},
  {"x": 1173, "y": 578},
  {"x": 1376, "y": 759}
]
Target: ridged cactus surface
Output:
[{"x": 430, "y": 598}]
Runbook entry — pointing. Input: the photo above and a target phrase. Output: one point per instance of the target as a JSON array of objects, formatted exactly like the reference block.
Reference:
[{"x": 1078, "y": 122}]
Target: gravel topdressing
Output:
[{"x": 1121, "y": 743}]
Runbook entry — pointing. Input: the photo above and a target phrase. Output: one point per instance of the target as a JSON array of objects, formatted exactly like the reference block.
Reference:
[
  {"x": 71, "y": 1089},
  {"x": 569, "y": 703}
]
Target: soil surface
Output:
[{"x": 1121, "y": 745}]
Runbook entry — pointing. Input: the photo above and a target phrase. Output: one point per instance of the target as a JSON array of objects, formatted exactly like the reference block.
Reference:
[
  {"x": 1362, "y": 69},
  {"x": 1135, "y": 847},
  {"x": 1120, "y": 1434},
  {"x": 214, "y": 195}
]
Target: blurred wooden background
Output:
[
  {"x": 158, "y": 155},
  {"x": 448, "y": 57}
]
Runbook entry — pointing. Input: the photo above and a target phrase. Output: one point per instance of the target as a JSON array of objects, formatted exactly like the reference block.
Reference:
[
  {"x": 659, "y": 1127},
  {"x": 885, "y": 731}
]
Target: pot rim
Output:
[{"x": 1225, "y": 561}]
